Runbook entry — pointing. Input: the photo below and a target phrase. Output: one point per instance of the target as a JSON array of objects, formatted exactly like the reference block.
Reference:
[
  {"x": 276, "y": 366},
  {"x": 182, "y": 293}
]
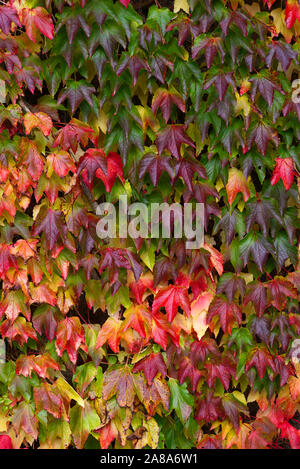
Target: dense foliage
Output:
[{"x": 132, "y": 343}]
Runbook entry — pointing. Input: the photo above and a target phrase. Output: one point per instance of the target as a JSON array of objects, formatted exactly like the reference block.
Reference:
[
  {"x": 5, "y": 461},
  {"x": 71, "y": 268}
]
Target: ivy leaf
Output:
[
  {"x": 209, "y": 408},
  {"x": 260, "y": 358},
  {"x": 223, "y": 371},
  {"x": 110, "y": 332},
  {"x": 236, "y": 183},
  {"x": 90, "y": 162},
  {"x": 181, "y": 400},
  {"x": 256, "y": 244},
  {"x": 151, "y": 366},
  {"x": 283, "y": 53},
  {"x": 8, "y": 15},
  {"x": 171, "y": 138},
  {"x": 36, "y": 19},
  {"x": 280, "y": 290},
  {"x": 40, "y": 120},
  {"x": 114, "y": 168},
  {"x": 292, "y": 13},
  {"x": 170, "y": 298},
  {"x": 164, "y": 99},
  {"x": 211, "y": 46},
  {"x": 186, "y": 168},
  {"x": 227, "y": 312},
  {"x": 69, "y": 337},
  {"x": 82, "y": 421},
  {"x": 76, "y": 92},
  {"x": 230, "y": 284},
  {"x": 47, "y": 399},
  {"x": 61, "y": 162},
  {"x": 134, "y": 64},
  {"x": 285, "y": 170},
  {"x": 73, "y": 133},
  {"x": 32, "y": 158},
  {"x": 221, "y": 82},
  {"x": 45, "y": 318},
  {"x": 155, "y": 165},
  {"x": 257, "y": 293},
  {"x": 232, "y": 408},
  {"x": 49, "y": 222},
  {"x": 24, "y": 419},
  {"x": 119, "y": 382},
  {"x": 261, "y": 134},
  {"x": 261, "y": 211},
  {"x": 188, "y": 370},
  {"x": 7, "y": 259}
]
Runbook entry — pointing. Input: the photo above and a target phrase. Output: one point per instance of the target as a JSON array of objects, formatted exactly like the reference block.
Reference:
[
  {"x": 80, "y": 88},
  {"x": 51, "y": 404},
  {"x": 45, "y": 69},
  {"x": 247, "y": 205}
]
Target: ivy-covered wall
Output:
[{"x": 143, "y": 343}]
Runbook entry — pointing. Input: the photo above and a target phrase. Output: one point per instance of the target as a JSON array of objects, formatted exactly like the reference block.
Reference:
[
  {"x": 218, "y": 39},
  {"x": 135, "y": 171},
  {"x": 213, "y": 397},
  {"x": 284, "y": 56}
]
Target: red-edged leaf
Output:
[
  {"x": 163, "y": 98},
  {"x": 37, "y": 19}
]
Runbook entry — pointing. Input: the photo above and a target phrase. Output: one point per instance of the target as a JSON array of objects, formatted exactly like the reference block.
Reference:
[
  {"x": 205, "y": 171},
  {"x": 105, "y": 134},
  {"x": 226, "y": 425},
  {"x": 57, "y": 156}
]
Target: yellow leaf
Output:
[
  {"x": 240, "y": 397},
  {"x": 242, "y": 104},
  {"x": 3, "y": 422},
  {"x": 67, "y": 391},
  {"x": 279, "y": 22},
  {"x": 102, "y": 121},
  {"x": 181, "y": 5},
  {"x": 199, "y": 310}
]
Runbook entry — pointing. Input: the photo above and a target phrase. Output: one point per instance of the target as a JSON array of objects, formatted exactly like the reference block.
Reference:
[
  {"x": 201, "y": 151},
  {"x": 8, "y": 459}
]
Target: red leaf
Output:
[
  {"x": 285, "y": 170},
  {"x": 49, "y": 222},
  {"x": 32, "y": 158},
  {"x": 161, "y": 331},
  {"x": 261, "y": 358},
  {"x": 110, "y": 332},
  {"x": 210, "y": 409},
  {"x": 150, "y": 366},
  {"x": 61, "y": 162},
  {"x": 7, "y": 260},
  {"x": 5, "y": 440},
  {"x": 223, "y": 370},
  {"x": 163, "y": 98},
  {"x": 155, "y": 165},
  {"x": 292, "y": 13},
  {"x": 37, "y": 19},
  {"x": 125, "y": 3},
  {"x": 188, "y": 370},
  {"x": 228, "y": 313},
  {"x": 170, "y": 298},
  {"x": 40, "y": 120},
  {"x": 73, "y": 133},
  {"x": 69, "y": 337},
  {"x": 114, "y": 169},
  {"x": 19, "y": 330},
  {"x": 90, "y": 162}
]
